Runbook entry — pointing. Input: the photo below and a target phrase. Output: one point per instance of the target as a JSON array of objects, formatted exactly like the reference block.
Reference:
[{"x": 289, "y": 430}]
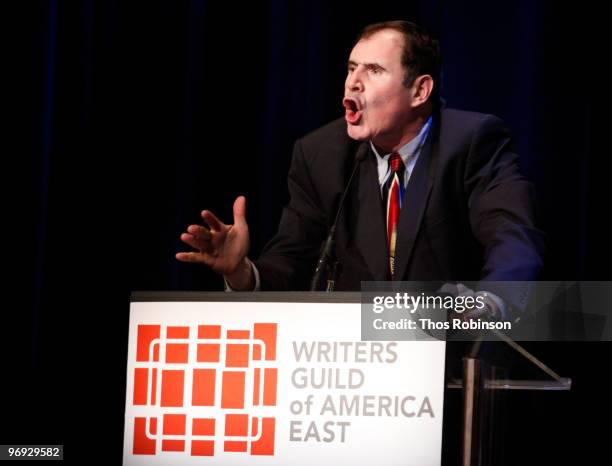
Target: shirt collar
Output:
[{"x": 409, "y": 149}]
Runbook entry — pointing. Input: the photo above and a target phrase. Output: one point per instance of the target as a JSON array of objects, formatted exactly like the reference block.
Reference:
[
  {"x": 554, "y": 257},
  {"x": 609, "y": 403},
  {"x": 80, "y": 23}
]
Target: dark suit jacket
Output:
[{"x": 468, "y": 212}]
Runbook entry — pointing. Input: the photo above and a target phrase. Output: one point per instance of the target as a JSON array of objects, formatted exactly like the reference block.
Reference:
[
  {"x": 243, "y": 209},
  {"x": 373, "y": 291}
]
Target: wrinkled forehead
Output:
[{"x": 383, "y": 47}]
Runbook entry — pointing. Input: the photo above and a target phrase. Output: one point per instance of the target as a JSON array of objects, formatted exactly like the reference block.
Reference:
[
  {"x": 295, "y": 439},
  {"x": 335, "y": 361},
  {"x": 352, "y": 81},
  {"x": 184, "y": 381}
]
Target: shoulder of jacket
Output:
[{"x": 455, "y": 117}]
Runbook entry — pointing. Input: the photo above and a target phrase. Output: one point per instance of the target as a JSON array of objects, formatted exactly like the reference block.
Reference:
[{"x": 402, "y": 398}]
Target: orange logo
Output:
[{"x": 205, "y": 389}]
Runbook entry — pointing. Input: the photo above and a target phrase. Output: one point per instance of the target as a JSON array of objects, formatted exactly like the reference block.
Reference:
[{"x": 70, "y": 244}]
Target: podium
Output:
[{"x": 283, "y": 378}]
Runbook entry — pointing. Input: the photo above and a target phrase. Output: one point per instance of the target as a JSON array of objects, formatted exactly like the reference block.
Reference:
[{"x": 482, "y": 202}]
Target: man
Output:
[{"x": 439, "y": 195}]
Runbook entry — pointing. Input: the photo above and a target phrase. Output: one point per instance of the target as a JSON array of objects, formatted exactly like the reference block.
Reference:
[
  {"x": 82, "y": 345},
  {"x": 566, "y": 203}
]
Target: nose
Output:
[{"x": 354, "y": 82}]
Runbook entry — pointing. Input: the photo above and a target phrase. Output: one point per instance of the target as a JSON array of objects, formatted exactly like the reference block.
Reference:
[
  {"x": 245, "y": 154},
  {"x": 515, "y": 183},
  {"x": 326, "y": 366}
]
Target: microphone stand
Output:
[{"x": 327, "y": 258}]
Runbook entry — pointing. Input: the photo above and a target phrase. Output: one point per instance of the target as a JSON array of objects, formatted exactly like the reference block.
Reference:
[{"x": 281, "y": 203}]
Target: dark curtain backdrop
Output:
[{"x": 129, "y": 118}]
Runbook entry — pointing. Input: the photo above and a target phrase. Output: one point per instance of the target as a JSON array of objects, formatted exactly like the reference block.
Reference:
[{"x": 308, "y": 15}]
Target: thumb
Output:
[{"x": 240, "y": 211}]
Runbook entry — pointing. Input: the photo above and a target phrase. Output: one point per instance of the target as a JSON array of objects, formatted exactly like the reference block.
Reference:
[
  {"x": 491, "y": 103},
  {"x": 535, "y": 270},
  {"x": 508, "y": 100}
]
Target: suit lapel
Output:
[
  {"x": 415, "y": 202},
  {"x": 372, "y": 238}
]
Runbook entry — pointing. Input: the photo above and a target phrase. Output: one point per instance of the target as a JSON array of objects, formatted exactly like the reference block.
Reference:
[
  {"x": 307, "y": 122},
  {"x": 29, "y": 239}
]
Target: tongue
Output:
[{"x": 352, "y": 116}]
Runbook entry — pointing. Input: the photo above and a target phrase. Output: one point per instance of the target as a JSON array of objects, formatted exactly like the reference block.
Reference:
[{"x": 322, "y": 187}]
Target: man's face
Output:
[{"x": 378, "y": 105}]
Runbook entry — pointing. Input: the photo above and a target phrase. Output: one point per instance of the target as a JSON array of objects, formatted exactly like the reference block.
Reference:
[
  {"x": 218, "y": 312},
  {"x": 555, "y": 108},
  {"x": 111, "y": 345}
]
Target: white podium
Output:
[{"x": 275, "y": 379}]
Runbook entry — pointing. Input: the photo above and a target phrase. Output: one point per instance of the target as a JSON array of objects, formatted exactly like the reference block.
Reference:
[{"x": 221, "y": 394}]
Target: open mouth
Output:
[{"x": 353, "y": 110}]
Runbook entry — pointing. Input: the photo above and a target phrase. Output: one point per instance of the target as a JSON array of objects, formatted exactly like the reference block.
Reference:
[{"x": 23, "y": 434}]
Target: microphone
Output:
[{"x": 329, "y": 245}]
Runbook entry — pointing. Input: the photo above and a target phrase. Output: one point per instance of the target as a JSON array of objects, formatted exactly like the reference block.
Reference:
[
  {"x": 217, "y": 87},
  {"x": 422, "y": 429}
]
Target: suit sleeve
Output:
[
  {"x": 288, "y": 260},
  {"x": 501, "y": 206}
]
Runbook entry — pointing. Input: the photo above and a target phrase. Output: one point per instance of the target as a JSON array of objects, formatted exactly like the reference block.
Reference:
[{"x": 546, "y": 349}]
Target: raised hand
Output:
[{"x": 222, "y": 247}]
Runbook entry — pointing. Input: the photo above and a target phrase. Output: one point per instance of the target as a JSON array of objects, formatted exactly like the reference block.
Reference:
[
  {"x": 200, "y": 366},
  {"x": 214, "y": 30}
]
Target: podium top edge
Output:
[{"x": 248, "y": 296}]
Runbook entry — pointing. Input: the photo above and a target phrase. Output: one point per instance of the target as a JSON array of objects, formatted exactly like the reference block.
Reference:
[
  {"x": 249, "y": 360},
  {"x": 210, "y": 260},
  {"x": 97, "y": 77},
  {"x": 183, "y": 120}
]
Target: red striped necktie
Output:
[{"x": 394, "y": 188}]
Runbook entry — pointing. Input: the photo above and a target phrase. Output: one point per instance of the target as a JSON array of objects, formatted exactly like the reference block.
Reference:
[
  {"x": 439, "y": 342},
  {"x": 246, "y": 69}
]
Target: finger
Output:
[
  {"x": 197, "y": 243},
  {"x": 475, "y": 314},
  {"x": 199, "y": 232},
  {"x": 195, "y": 257},
  {"x": 212, "y": 221},
  {"x": 240, "y": 211},
  {"x": 461, "y": 288}
]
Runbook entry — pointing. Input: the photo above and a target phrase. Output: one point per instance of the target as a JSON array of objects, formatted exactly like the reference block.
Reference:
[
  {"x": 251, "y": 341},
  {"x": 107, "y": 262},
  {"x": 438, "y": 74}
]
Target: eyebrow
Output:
[{"x": 367, "y": 65}]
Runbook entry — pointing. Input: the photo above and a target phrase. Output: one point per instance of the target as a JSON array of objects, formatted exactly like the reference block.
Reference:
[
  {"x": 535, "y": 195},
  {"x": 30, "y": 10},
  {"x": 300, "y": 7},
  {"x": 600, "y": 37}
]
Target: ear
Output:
[{"x": 422, "y": 88}]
